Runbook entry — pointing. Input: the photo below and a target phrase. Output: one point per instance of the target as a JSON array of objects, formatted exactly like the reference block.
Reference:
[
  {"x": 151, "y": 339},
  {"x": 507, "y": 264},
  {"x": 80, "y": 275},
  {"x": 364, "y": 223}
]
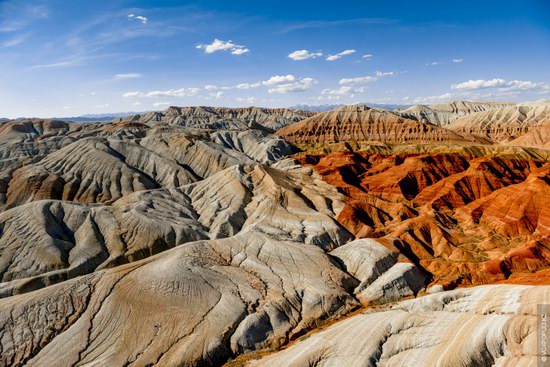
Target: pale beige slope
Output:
[
  {"x": 99, "y": 169},
  {"x": 481, "y": 326},
  {"x": 504, "y": 123},
  {"x": 445, "y": 113},
  {"x": 45, "y": 242},
  {"x": 188, "y": 306},
  {"x": 383, "y": 279}
]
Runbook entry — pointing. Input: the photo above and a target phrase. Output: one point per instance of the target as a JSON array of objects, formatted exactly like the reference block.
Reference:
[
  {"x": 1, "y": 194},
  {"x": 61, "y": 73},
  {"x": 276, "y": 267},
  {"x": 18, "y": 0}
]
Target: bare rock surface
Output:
[
  {"x": 361, "y": 123},
  {"x": 465, "y": 220},
  {"x": 382, "y": 278},
  {"x": 480, "y": 326},
  {"x": 445, "y": 113},
  {"x": 537, "y": 137},
  {"x": 504, "y": 123},
  {"x": 47, "y": 241},
  {"x": 195, "y": 304},
  {"x": 271, "y": 119}
]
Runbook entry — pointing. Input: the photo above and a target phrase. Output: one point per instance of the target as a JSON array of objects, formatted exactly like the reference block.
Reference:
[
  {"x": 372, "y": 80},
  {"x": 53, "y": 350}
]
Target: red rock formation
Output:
[{"x": 466, "y": 221}]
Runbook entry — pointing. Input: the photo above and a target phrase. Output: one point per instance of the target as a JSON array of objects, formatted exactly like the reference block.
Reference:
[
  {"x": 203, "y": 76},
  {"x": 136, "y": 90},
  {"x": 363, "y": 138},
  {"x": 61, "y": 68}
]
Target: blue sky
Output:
[{"x": 66, "y": 58}]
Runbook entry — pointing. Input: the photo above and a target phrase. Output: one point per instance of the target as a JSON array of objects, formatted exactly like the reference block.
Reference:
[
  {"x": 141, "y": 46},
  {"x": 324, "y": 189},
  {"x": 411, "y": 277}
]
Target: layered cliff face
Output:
[
  {"x": 463, "y": 219},
  {"x": 504, "y": 123},
  {"x": 444, "y": 114},
  {"x": 538, "y": 136},
  {"x": 361, "y": 123},
  {"x": 271, "y": 119}
]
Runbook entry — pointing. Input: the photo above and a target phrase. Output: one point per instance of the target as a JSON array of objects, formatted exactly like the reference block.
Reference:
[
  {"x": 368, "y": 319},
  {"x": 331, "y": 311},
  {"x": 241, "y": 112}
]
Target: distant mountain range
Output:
[
  {"x": 105, "y": 117},
  {"x": 329, "y": 107}
]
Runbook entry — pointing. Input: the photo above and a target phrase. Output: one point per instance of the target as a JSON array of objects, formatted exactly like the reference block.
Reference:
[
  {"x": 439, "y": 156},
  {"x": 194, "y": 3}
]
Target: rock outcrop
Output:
[
  {"x": 537, "y": 137},
  {"x": 271, "y": 119},
  {"x": 361, "y": 123},
  {"x": 504, "y": 123},
  {"x": 481, "y": 326},
  {"x": 444, "y": 114},
  {"x": 192, "y": 305},
  {"x": 465, "y": 220}
]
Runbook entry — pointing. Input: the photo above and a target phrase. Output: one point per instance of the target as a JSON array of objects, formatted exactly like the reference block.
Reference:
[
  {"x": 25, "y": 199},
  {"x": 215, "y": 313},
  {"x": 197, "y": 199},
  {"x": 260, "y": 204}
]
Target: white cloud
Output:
[
  {"x": 219, "y": 45},
  {"x": 240, "y": 51},
  {"x": 340, "y": 55},
  {"x": 132, "y": 94},
  {"x": 457, "y": 61},
  {"x": 365, "y": 79},
  {"x": 432, "y": 99},
  {"x": 358, "y": 80},
  {"x": 433, "y": 63},
  {"x": 367, "y": 56},
  {"x": 247, "y": 100},
  {"x": 140, "y": 18},
  {"x": 300, "y": 55},
  {"x": 182, "y": 92},
  {"x": 502, "y": 84},
  {"x": 216, "y": 95},
  {"x": 279, "y": 79},
  {"x": 248, "y": 85},
  {"x": 288, "y": 86},
  {"x": 101, "y": 105},
  {"x": 159, "y": 104},
  {"x": 136, "y": 103},
  {"x": 211, "y": 87},
  {"x": 381, "y": 74},
  {"x": 281, "y": 84},
  {"x": 343, "y": 90},
  {"x": 127, "y": 76}
]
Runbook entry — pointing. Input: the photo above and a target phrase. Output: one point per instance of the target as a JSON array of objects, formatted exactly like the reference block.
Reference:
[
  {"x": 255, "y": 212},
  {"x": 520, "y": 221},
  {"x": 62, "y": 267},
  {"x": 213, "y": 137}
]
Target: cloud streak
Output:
[
  {"x": 340, "y": 55},
  {"x": 501, "y": 84},
  {"x": 366, "y": 79},
  {"x": 127, "y": 76},
  {"x": 182, "y": 92}
]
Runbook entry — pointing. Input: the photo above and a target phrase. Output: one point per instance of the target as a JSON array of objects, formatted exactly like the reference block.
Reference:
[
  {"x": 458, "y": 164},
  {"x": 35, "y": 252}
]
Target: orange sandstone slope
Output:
[
  {"x": 465, "y": 221},
  {"x": 361, "y": 123}
]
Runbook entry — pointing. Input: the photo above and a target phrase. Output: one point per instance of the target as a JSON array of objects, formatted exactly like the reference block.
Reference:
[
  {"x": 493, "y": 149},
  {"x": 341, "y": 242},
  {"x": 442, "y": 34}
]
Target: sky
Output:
[{"x": 69, "y": 58}]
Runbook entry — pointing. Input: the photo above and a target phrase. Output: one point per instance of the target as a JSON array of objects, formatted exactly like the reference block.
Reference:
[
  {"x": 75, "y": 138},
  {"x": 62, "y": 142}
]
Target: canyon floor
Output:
[{"x": 203, "y": 236}]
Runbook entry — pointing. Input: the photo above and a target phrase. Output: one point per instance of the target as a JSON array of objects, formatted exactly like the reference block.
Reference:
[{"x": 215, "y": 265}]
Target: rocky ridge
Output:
[
  {"x": 445, "y": 113},
  {"x": 270, "y": 119},
  {"x": 361, "y": 123}
]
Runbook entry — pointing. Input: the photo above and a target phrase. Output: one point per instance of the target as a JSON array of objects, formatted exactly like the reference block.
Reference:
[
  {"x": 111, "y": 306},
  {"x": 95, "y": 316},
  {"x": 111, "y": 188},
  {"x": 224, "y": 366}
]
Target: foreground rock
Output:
[
  {"x": 195, "y": 304},
  {"x": 481, "y": 326}
]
